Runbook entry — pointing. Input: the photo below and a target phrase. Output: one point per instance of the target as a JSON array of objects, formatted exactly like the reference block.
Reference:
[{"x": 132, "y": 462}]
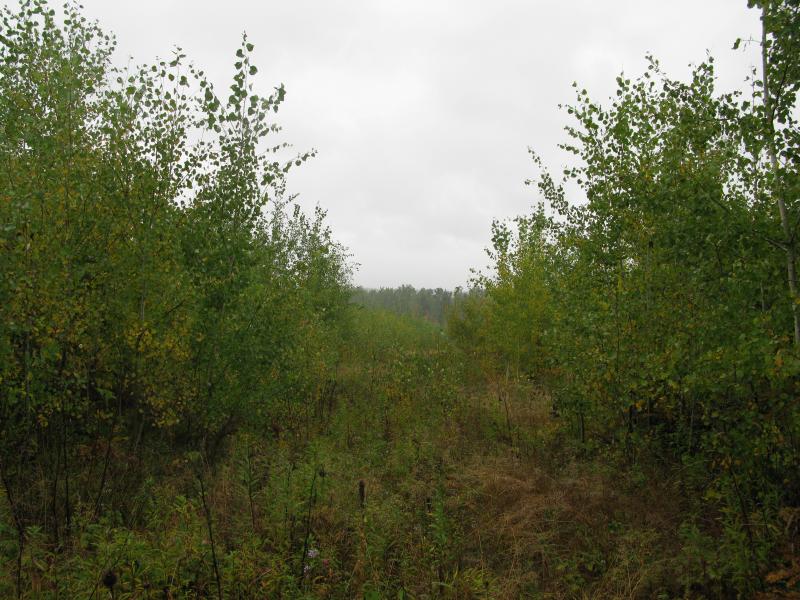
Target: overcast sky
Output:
[{"x": 422, "y": 110}]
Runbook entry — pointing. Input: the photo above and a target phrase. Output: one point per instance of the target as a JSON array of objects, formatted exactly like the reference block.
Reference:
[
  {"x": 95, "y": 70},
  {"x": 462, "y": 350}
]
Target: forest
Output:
[
  {"x": 426, "y": 304},
  {"x": 196, "y": 400}
]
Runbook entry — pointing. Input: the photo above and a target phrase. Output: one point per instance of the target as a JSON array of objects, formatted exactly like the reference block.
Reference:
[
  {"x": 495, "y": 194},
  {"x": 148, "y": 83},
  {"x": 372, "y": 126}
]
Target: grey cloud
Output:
[{"x": 422, "y": 109}]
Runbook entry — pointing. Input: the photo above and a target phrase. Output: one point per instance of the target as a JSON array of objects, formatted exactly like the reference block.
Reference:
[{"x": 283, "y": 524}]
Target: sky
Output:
[{"x": 422, "y": 111}]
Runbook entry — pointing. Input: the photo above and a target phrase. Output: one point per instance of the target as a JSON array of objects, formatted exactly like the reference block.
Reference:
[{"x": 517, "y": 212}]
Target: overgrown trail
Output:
[
  {"x": 472, "y": 489},
  {"x": 440, "y": 482},
  {"x": 193, "y": 403},
  {"x": 402, "y": 476}
]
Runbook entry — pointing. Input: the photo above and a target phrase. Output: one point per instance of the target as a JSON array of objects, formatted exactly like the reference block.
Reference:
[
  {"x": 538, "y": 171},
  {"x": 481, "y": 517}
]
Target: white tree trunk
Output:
[{"x": 769, "y": 117}]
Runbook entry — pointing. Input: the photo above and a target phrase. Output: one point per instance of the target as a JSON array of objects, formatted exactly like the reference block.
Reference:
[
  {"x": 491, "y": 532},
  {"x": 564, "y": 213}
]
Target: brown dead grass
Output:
[{"x": 565, "y": 529}]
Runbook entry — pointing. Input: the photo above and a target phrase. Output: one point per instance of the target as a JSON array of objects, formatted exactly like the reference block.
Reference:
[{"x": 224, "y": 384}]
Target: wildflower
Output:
[{"x": 313, "y": 553}]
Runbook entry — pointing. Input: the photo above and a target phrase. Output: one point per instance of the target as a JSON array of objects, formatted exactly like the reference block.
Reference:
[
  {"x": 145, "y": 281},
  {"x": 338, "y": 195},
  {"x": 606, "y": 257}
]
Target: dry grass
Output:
[{"x": 554, "y": 526}]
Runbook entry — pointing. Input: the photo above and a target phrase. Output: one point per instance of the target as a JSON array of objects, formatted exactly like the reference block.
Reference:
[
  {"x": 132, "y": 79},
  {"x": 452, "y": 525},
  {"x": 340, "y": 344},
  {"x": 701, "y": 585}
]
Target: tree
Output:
[
  {"x": 157, "y": 287},
  {"x": 780, "y": 80}
]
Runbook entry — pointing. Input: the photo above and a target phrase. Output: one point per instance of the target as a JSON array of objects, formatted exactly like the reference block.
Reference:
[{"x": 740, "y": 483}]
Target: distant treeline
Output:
[{"x": 430, "y": 304}]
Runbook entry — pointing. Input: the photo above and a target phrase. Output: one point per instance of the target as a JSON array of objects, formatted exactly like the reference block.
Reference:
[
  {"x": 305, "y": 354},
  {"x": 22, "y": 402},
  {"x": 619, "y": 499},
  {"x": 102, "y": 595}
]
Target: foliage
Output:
[
  {"x": 195, "y": 403},
  {"x": 158, "y": 293},
  {"x": 425, "y": 303},
  {"x": 657, "y": 310}
]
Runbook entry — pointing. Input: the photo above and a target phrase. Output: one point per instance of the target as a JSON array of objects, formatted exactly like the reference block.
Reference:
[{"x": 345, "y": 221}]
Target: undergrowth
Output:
[{"x": 410, "y": 483}]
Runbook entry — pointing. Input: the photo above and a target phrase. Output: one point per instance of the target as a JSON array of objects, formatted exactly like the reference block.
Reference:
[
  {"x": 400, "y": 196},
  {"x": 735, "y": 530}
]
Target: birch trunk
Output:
[{"x": 769, "y": 118}]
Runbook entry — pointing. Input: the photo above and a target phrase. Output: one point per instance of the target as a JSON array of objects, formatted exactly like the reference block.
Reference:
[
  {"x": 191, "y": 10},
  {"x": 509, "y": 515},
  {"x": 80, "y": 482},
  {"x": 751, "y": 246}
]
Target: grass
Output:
[{"x": 414, "y": 481}]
